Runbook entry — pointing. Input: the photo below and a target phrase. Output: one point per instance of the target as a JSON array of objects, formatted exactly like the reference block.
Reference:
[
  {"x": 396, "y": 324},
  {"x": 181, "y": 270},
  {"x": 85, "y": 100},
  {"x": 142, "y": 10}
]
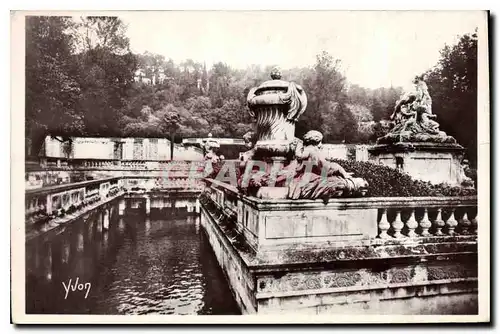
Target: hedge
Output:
[{"x": 388, "y": 182}]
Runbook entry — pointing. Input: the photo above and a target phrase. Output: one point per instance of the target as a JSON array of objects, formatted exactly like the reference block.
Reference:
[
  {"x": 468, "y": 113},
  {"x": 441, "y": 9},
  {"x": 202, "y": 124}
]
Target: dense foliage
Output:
[
  {"x": 388, "y": 182},
  {"x": 82, "y": 79},
  {"x": 453, "y": 87}
]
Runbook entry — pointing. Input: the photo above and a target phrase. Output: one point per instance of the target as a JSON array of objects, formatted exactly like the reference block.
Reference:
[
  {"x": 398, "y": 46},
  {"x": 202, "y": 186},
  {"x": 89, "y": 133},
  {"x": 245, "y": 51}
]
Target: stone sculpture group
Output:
[
  {"x": 413, "y": 118},
  {"x": 297, "y": 169},
  {"x": 293, "y": 168}
]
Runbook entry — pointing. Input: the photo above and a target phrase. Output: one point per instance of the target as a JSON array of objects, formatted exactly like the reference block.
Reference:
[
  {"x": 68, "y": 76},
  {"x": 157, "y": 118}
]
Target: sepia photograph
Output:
[{"x": 207, "y": 166}]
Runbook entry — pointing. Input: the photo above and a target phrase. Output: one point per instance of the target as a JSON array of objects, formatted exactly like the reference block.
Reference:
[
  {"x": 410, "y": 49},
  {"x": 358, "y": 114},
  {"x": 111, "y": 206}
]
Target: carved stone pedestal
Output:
[{"x": 432, "y": 162}]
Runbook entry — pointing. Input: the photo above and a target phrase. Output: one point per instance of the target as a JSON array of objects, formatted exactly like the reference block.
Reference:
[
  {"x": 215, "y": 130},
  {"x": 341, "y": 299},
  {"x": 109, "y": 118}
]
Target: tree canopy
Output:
[
  {"x": 82, "y": 79},
  {"x": 453, "y": 88}
]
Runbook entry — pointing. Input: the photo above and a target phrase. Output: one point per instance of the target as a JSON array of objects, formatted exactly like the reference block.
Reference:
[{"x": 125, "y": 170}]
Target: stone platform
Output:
[
  {"x": 308, "y": 257},
  {"x": 432, "y": 162}
]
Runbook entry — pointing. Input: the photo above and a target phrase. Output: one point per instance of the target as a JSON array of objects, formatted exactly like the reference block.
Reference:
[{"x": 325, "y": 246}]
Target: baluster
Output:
[
  {"x": 425, "y": 224},
  {"x": 412, "y": 225},
  {"x": 451, "y": 223},
  {"x": 465, "y": 224},
  {"x": 384, "y": 225},
  {"x": 398, "y": 225},
  {"x": 439, "y": 223},
  {"x": 474, "y": 224}
]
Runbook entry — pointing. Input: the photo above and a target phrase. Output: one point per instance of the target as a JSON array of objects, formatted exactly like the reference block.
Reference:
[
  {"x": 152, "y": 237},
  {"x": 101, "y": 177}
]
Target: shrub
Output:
[
  {"x": 389, "y": 182},
  {"x": 383, "y": 181}
]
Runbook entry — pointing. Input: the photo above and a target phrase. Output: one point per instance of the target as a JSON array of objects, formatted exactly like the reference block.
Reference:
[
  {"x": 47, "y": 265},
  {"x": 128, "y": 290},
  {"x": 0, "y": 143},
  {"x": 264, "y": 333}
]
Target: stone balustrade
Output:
[
  {"x": 437, "y": 219},
  {"x": 44, "y": 204},
  {"x": 108, "y": 164},
  {"x": 73, "y": 171},
  {"x": 271, "y": 223},
  {"x": 146, "y": 184}
]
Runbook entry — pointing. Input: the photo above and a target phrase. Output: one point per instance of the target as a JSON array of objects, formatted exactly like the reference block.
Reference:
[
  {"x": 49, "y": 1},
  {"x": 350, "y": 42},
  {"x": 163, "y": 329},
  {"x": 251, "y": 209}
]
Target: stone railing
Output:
[
  {"x": 47, "y": 163},
  {"x": 426, "y": 216},
  {"x": 149, "y": 184},
  {"x": 44, "y": 204},
  {"x": 271, "y": 223},
  {"x": 72, "y": 171}
]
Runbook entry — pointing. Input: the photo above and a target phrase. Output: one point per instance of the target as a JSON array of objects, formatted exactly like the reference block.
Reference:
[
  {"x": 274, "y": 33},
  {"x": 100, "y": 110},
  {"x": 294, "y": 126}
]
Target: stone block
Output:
[
  {"x": 435, "y": 163},
  {"x": 310, "y": 226}
]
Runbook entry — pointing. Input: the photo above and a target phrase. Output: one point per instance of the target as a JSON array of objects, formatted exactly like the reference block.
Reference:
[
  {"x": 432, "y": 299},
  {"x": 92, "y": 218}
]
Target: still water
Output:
[{"x": 157, "y": 265}]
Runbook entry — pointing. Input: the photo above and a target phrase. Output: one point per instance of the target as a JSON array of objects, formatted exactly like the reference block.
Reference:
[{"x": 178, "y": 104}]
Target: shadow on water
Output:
[{"x": 161, "y": 264}]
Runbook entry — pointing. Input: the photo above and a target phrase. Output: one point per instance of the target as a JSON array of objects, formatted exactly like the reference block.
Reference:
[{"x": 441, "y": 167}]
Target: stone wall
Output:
[
  {"x": 118, "y": 149},
  {"x": 358, "y": 152}
]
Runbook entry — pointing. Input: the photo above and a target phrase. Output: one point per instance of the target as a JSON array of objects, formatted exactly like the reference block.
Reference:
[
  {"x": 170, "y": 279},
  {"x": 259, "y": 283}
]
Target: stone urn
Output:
[{"x": 276, "y": 105}]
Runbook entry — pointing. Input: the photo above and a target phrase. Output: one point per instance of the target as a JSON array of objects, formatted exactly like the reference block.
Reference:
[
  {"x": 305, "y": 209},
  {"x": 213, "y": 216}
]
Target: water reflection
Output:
[{"x": 162, "y": 264}]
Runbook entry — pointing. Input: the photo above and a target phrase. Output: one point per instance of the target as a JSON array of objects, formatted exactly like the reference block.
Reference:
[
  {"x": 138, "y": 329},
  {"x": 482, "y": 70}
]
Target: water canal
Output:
[{"x": 161, "y": 264}]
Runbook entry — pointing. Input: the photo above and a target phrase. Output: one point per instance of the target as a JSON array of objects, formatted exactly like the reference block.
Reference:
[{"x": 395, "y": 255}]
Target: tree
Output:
[
  {"x": 105, "y": 72},
  {"x": 219, "y": 83},
  {"x": 378, "y": 110},
  {"x": 326, "y": 109},
  {"x": 51, "y": 90},
  {"x": 105, "y": 32},
  {"x": 453, "y": 88}
]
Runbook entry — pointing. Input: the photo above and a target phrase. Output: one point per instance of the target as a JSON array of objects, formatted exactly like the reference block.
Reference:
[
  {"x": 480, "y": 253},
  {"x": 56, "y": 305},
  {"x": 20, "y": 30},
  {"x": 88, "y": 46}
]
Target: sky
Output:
[{"x": 376, "y": 49}]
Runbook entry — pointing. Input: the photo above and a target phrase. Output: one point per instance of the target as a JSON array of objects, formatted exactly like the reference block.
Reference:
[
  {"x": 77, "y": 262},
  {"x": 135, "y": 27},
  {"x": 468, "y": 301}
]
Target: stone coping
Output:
[
  {"x": 361, "y": 253},
  {"x": 416, "y": 146},
  {"x": 347, "y": 203},
  {"x": 166, "y": 193},
  {"x": 67, "y": 186}
]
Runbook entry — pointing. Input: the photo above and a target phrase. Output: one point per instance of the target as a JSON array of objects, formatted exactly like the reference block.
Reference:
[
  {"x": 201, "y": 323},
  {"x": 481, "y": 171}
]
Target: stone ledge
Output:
[
  {"x": 422, "y": 289},
  {"x": 416, "y": 146},
  {"x": 439, "y": 299}
]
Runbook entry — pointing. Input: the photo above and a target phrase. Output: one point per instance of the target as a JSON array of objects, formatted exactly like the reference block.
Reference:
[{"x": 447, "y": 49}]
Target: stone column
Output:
[
  {"x": 48, "y": 206},
  {"x": 197, "y": 206}
]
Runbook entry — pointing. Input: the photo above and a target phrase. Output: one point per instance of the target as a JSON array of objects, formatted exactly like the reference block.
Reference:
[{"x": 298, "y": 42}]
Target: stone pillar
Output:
[
  {"x": 146, "y": 149},
  {"x": 197, "y": 206},
  {"x": 48, "y": 206},
  {"x": 148, "y": 205},
  {"x": 105, "y": 220},
  {"x": 121, "y": 207}
]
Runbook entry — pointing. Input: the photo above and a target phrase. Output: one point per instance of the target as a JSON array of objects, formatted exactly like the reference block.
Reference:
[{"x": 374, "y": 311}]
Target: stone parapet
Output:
[{"x": 286, "y": 256}]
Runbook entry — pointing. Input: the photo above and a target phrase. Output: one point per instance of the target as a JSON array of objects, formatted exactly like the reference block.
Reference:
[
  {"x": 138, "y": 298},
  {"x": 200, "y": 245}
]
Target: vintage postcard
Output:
[{"x": 240, "y": 167}]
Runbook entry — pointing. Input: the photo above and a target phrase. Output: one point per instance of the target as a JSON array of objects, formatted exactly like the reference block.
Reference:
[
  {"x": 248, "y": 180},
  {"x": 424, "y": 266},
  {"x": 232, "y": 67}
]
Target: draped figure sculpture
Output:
[{"x": 316, "y": 177}]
